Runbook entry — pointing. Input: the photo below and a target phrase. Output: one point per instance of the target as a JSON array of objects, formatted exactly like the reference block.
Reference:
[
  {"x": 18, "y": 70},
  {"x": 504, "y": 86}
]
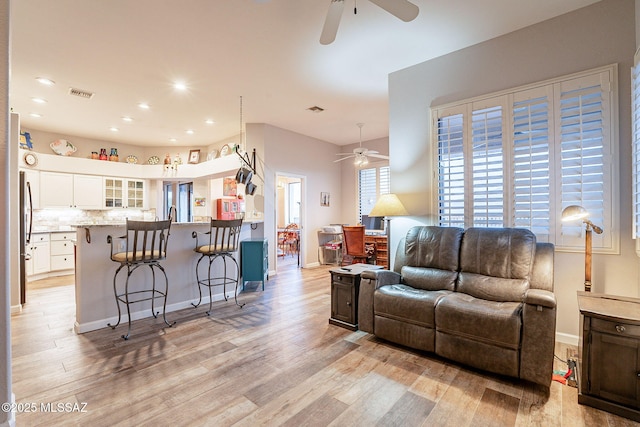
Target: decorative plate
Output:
[
  {"x": 153, "y": 160},
  {"x": 212, "y": 155},
  {"x": 132, "y": 159},
  {"x": 62, "y": 147},
  {"x": 225, "y": 150}
]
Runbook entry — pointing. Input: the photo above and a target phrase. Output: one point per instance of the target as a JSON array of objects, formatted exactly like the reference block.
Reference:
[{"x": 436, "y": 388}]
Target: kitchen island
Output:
[{"x": 95, "y": 300}]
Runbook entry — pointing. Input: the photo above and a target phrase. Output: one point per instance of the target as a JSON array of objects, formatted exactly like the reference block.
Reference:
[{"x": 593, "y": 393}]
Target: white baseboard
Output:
[
  {"x": 567, "y": 338},
  {"x": 141, "y": 314},
  {"x": 16, "y": 309},
  {"x": 11, "y": 416}
]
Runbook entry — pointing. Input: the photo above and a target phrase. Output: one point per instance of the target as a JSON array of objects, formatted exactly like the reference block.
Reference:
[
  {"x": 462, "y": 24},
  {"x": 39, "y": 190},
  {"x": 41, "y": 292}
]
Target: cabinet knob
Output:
[
  {"x": 349, "y": 303},
  {"x": 620, "y": 328}
]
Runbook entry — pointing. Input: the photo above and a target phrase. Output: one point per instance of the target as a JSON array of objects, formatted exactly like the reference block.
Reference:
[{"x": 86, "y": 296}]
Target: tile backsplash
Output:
[{"x": 52, "y": 219}]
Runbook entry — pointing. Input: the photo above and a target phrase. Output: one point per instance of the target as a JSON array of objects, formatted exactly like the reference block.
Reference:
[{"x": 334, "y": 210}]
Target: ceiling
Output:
[{"x": 265, "y": 51}]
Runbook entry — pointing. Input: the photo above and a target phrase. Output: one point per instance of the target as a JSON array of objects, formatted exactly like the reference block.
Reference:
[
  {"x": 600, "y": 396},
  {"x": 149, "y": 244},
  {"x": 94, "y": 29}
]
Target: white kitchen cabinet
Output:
[
  {"x": 124, "y": 193},
  {"x": 62, "y": 253},
  {"x": 63, "y": 190},
  {"x": 87, "y": 191},
  {"x": 40, "y": 254}
]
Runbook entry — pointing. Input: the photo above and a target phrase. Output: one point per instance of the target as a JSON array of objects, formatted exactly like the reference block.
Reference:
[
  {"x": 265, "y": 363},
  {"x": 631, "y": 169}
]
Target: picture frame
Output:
[
  {"x": 325, "y": 199},
  {"x": 194, "y": 156}
]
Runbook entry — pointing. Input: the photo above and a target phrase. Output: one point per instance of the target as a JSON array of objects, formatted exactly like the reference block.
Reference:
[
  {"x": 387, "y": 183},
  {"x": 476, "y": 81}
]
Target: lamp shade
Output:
[
  {"x": 574, "y": 212},
  {"x": 388, "y": 205}
]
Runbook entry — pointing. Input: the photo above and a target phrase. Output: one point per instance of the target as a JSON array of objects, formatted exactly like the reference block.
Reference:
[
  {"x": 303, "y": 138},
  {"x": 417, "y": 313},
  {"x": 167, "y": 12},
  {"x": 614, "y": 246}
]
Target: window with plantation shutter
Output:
[
  {"x": 635, "y": 119},
  {"x": 487, "y": 164},
  {"x": 518, "y": 158},
  {"x": 371, "y": 183},
  {"x": 531, "y": 159},
  {"x": 450, "y": 171}
]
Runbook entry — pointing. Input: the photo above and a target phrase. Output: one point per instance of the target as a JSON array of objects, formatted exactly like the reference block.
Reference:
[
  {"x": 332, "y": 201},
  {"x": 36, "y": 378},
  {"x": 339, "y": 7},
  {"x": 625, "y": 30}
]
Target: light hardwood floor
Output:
[{"x": 276, "y": 361}]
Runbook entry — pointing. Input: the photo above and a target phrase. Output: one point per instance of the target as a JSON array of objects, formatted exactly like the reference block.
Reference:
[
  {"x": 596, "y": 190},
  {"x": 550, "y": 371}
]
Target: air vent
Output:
[
  {"x": 81, "y": 93},
  {"x": 316, "y": 109}
]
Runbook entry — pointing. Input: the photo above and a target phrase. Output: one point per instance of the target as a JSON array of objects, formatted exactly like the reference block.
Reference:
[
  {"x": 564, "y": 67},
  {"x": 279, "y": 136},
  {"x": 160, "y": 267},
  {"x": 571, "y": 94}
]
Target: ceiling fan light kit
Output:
[
  {"x": 401, "y": 9},
  {"x": 361, "y": 154}
]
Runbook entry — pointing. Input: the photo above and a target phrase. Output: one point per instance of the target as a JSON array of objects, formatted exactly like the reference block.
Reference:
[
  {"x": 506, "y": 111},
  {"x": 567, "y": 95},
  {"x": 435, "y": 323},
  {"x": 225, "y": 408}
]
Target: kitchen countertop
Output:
[{"x": 178, "y": 224}]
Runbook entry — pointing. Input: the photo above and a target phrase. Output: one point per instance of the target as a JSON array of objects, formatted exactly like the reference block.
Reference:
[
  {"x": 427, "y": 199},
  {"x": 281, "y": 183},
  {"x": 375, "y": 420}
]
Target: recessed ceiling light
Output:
[
  {"x": 114, "y": 129},
  {"x": 127, "y": 119},
  {"x": 172, "y": 140},
  {"x": 144, "y": 105},
  {"x": 209, "y": 122},
  {"x": 39, "y": 100},
  {"x": 190, "y": 131},
  {"x": 45, "y": 81},
  {"x": 180, "y": 86},
  {"x": 36, "y": 115}
]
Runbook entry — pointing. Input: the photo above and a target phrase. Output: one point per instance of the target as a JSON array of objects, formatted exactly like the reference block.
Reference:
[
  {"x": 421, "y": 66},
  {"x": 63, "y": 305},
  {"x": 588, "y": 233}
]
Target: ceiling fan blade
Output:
[
  {"x": 401, "y": 9},
  {"x": 367, "y": 152},
  {"x": 332, "y": 21},
  {"x": 344, "y": 158},
  {"x": 379, "y": 156}
]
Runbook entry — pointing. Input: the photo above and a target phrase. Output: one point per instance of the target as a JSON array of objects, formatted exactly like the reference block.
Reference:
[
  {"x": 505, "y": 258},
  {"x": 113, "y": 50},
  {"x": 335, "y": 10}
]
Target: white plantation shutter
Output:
[
  {"x": 531, "y": 179},
  {"x": 558, "y": 151},
  {"x": 635, "y": 118},
  {"x": 450, "y": 171},
  {"x": 584, "y": 156},
  {"x": 371, "y": 183},
  {"x": 487, "y": 167}
]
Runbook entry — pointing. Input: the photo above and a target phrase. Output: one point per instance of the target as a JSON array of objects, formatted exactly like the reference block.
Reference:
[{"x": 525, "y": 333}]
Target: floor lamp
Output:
[
  {"x": 388, "y": 205},
  {"x": 575, "y": 212}
]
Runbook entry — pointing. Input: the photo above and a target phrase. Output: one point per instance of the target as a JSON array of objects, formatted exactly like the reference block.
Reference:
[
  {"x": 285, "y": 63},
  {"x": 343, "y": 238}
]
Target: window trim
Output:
[
  {"x": 371, "y": 165},
  {"x": 611, "y": 169}
]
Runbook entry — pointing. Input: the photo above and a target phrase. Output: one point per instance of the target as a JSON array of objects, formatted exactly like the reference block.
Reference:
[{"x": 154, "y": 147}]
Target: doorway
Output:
[
  {"x": 289, "y": 221},
  {"x": 180, "y": 196}
]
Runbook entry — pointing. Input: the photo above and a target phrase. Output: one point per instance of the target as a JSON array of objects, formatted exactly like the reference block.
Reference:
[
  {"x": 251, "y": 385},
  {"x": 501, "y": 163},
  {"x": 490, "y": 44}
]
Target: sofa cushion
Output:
[
  {"x": 407, "y": 304},
  {"x": 433, "y": 247},
  {"x": 490, "y": 322},
  {"x": 493, "y": 288},
  {"x": 430, "y": 279},
  {"x": 499, "y": 252}
]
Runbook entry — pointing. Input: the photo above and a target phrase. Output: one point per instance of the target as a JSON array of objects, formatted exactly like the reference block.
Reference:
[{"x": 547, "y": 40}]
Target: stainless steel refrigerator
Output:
[{"x": 26, "y": 223}]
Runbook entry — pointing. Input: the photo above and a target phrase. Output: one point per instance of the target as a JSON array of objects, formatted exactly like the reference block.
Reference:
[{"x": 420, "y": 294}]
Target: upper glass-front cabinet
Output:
[{"x": 124, "y": 193}]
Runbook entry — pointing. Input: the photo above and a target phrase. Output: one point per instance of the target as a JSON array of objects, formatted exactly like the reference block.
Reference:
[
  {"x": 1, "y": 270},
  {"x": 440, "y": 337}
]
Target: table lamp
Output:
[
  {"x": 388, "y": 205},
  {"x": 575, "y": 212}
]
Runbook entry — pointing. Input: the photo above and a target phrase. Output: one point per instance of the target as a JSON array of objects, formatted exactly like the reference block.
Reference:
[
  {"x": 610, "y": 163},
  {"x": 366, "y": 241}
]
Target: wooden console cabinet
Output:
[
  {"x": 609, "y": 358},
  {"x": 345, "y": 288}
]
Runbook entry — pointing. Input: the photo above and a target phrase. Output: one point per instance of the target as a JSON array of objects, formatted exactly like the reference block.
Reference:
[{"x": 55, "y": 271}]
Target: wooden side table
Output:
[
  {"x": 345, "y": 287},
  {"x": 609, "y": 358}
]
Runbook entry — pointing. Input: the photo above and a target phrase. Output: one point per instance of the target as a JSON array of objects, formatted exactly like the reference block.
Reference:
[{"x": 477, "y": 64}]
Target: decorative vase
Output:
[
  {"x": 95, "y": 155},
  {"x": 114, "y": 155},
  {"x": 103, "y": 154},
  {"x": 167, "y": 159}
]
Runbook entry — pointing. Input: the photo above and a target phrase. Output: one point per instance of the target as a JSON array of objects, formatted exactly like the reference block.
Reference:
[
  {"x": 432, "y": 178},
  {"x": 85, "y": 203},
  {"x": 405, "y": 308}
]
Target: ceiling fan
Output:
[
  {"x": 360, "y": 153},
  {"x": 402, "y": 9}
]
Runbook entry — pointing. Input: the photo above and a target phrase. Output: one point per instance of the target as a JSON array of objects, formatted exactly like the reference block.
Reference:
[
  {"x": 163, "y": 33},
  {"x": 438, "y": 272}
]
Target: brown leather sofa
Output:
[{"x": 482, "y": 297}]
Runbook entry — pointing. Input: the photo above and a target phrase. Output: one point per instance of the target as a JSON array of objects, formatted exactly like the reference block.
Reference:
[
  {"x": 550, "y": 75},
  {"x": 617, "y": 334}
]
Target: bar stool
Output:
[
  {"x": 145, "y": 243},
  {"x": 221, "y": 241}
]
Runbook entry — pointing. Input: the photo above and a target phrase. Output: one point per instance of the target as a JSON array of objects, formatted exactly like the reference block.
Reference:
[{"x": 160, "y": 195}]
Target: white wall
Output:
[
  {"x": 349, "y": 201},
  {"x": 600, "y": 34},
  {"x": 5, "y": 219},
  {"x": 292, "y": 154}
]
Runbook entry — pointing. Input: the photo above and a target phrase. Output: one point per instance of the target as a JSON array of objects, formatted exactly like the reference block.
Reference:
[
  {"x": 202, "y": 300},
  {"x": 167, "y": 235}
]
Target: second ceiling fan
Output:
[
  {"x": 360, "y": 153},
  {"x": 401, "y": 9}
]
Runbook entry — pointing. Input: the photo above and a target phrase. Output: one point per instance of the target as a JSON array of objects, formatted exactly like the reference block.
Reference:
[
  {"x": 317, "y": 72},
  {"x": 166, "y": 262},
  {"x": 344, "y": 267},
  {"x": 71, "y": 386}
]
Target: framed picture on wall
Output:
[
  {"x": 194, "y": 156},
  {"x": 325, "y": 199}
]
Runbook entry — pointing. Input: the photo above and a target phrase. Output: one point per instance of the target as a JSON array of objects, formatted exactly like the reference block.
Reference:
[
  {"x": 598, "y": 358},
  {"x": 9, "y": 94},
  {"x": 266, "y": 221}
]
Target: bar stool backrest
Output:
[
  {"x": 224, "y": 235},
  {"x": 146, "y": 241}
]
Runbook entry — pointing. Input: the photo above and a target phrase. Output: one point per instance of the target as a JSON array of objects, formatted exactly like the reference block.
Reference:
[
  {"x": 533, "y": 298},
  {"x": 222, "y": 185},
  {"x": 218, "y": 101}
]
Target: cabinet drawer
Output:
[
  {"x": 62, "y": 262},
  {"x": 60, "y": 247},
  {"x": 70, "y": 236},
  {"x": 342, "y": 279},
  {"x": 616, "y": 328},
  {"x": 39, "y": 237}
]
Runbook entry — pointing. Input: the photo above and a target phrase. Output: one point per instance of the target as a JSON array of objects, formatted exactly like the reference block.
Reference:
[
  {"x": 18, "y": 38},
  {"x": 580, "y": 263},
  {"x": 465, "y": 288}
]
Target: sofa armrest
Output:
[
  {"x": 371, "y": 280},
  {"x": 540, "y": 297},
  {"x": 538, "y": 336}
]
